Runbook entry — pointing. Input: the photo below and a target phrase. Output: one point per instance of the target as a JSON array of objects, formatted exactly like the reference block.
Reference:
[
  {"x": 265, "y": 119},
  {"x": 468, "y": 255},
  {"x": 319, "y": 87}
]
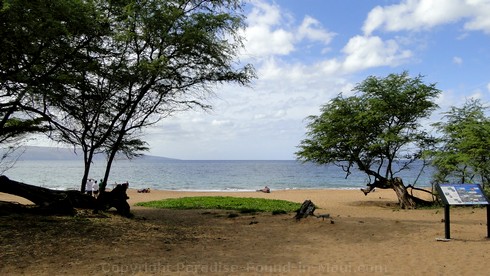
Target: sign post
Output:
[{"x": 462, "y": 194}]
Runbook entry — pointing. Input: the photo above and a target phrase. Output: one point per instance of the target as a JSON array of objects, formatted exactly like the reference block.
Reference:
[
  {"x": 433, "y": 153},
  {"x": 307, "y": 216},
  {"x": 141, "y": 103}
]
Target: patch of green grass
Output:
[{"x": 242, "y": 204}]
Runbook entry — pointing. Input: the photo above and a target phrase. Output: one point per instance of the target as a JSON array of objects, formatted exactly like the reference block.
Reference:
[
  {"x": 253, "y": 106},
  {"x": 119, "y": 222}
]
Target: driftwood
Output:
[
  {"x": 51, "y": 201},
  {"x": 306, "y": 209}
]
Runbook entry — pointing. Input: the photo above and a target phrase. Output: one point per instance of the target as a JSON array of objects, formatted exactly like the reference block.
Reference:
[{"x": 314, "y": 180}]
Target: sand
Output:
[{"x": 366, "y": 235}]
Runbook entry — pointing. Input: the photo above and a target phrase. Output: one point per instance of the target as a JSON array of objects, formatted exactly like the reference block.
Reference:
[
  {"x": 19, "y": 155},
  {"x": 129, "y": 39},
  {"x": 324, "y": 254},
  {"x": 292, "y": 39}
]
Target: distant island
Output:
[{"x": 59, "y": 153}]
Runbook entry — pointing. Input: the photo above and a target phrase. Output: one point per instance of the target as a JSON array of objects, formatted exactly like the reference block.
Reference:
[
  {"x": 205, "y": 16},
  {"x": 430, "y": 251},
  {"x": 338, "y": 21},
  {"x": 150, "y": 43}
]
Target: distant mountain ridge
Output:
[{"x": 58, "y": 153}]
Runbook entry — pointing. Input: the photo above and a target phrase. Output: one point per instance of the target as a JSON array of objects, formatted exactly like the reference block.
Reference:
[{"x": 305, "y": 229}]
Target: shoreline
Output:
[
  {"x": 251, "y": 190},
  {"x": 321, "y": 197}
]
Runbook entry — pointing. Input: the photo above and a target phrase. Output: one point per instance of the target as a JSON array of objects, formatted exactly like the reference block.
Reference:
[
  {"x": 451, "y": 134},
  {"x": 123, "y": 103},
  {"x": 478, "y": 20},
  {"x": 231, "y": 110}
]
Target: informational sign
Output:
[{"x": 462, "y": 194}]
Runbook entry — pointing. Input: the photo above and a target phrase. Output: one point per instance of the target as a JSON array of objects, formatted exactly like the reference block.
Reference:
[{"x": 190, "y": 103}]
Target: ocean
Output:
[{"x": 200, "y": 175}]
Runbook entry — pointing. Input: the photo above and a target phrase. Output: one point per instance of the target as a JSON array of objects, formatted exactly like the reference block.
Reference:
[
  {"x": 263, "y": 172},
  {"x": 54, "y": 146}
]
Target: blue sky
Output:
[{"x": 306, "y": 52}]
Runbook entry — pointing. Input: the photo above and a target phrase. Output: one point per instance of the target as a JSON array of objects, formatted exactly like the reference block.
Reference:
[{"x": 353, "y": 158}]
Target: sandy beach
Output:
[{"x": 366, "y": 235}]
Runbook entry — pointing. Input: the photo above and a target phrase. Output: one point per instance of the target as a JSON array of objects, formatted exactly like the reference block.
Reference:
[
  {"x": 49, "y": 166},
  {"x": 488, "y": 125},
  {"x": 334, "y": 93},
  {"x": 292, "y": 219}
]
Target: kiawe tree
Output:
[
  {"x": 169, "y": 57},
  {"x": 376, "y": 131},
  {"x": 40, "y": 50},
  {"x": 462, "y": 154},
  {"x": 101, "y": 71}
]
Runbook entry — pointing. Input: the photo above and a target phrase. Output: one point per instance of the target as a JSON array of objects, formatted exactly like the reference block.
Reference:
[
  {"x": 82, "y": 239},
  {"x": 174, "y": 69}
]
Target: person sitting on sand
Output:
[{"x": 265, "y": 190}]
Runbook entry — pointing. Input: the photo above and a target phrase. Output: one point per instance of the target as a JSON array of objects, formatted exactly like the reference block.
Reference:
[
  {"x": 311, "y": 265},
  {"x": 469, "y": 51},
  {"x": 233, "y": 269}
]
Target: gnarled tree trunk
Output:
[{"x": 405, "y": 199}]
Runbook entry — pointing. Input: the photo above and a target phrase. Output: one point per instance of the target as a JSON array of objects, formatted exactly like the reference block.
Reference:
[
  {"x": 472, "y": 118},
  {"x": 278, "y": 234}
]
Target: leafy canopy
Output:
[
  {"x": 373, "y": 129},
  {"x": 462, "y": 154},
  {"x": 38, "y": 49},
  {"x": 101, "y": 71}
]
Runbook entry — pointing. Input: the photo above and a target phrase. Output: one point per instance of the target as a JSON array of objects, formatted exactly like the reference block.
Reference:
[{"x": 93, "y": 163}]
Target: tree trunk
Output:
[
  {"x": 405, "y": 199},
  {"x": 49, "y": 201}
]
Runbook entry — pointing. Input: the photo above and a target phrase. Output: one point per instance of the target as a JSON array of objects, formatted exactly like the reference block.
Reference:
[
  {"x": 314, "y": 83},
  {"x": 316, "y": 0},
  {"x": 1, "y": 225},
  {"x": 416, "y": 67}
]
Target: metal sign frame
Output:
[{"x": 462, "y": 194}]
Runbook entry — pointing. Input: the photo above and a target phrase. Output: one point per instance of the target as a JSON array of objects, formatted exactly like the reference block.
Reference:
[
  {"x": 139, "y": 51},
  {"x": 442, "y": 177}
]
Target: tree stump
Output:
[{"x": 306, "y": 209}]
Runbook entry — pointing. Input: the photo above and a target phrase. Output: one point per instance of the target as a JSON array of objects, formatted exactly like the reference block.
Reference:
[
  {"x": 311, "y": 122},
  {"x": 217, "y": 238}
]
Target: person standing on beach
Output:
[
  {"x": 88, "y": 187},
  {"x": 102, "y": 186},
  {"x": 95, "y": 188}
]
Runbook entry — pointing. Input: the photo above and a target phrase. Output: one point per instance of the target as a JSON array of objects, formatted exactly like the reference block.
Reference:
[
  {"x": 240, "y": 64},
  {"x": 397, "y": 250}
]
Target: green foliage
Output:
[
  {"x": 15, "y": 129},
  {"x": 165, "y": 57},
  {"x": 226, "y": 203},
  {"x": 374, "y": 129},
  {"x": 462, "y": 154},
  {"x": 38, "y": 46},
  {"x": 101, "y": 71}
]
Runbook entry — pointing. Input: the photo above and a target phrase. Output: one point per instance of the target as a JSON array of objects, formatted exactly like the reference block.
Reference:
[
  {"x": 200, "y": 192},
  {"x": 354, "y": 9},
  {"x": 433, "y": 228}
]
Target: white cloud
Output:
[
  {"x": 262, "y": 41},
  {"x": 457, "y": 60},
  {"x": 371, "y": 51},
  {"x": 264, "y": 14},
  {"x": 280, "y": 113},
  {"x": 270, "y": 69},
  {"x": 415, "y": 15},
  {"x": 480, "y": 19},
  {"x": 264, "y": 35},
  {"x": 312, "y": 29},
  {"x": 271, "y": 44},
  {"x": 260, "y": 116},
  {"x": 220, "y": 123},
  {"x": 329, "y": 66},
  {"x": 271, "y": 31}
]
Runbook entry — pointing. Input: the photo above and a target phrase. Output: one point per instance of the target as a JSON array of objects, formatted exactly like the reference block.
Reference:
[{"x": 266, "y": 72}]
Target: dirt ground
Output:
[{"x": 363, "y": 236}]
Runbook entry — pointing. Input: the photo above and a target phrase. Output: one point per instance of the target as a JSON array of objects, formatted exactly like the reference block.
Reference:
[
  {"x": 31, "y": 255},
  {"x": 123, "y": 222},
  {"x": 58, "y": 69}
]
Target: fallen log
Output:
[
  {"x": 49, "y": 201},
  {"x": 64, "y": 202}
]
